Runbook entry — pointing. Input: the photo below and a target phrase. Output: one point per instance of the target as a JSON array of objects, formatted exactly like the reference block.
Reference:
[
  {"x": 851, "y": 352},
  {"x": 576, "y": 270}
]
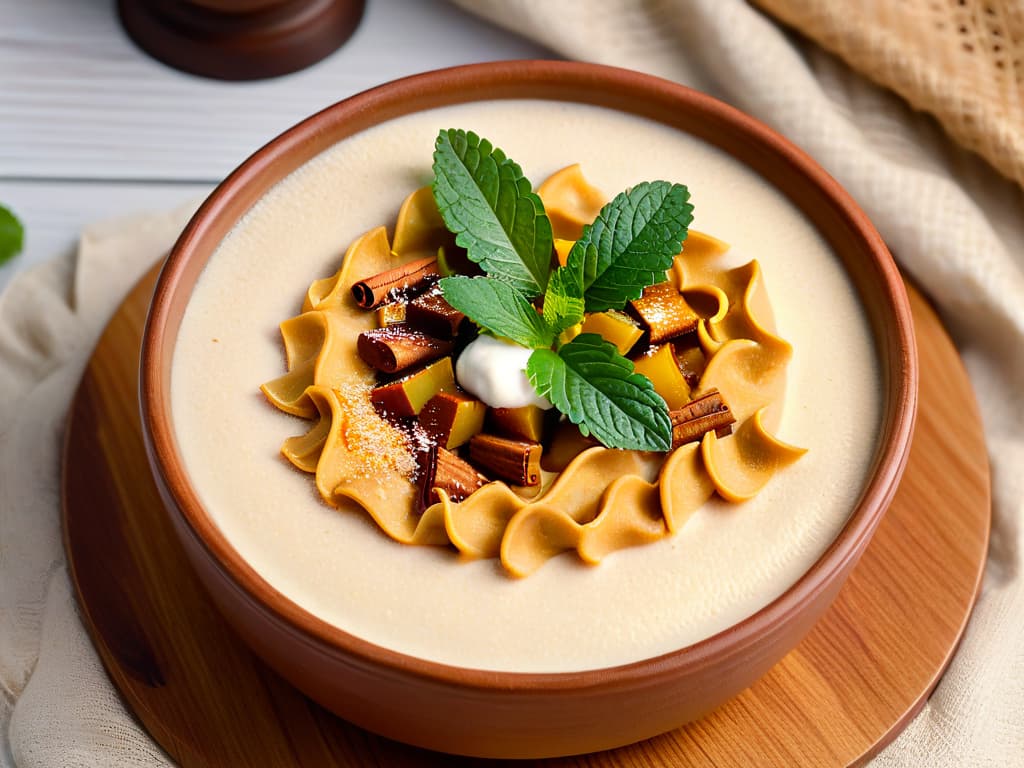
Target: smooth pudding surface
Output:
[{"x": 727, "y": 562}]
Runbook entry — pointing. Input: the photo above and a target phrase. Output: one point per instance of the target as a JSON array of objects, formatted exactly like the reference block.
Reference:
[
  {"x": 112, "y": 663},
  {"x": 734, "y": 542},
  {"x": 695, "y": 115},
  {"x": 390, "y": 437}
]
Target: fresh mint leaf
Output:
[
  {"x": 563, "y": 301},
  {"x": 631, "y": 244},
  {"x": 499, "y": 308},
  {"x": 12, "y": 235},
  {"x": 591, "y": 383},
  {"x": 488, "y": 203}
]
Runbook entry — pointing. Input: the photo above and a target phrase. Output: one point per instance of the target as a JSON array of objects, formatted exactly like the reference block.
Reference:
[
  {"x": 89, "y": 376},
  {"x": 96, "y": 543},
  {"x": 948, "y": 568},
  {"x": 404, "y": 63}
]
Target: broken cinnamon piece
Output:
[
  {"x": 708, "y": 412},
  {"x": 443, "y": 469},
  {"x": 398, "y": 347},
  {"x": 390, "y": 314},
  {"x": 665, "y": 313},
  {"x": 516, "y": 461},
  {"x": 431, "y": 313},
  {"x": 523, "y": 423},
  {"x": 373, "y": 291},
  {"x": 452, "y": 418}
]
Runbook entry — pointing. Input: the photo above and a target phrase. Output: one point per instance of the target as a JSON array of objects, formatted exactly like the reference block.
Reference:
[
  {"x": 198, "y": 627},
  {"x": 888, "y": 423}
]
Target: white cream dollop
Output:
[{"x": 495, "y": 371}]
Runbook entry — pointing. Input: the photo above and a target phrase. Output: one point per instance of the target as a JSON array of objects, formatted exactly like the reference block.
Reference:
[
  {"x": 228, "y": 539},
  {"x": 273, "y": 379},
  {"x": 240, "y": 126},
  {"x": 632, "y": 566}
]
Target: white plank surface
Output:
[
  {"x": 79, "y": 101},
  {"x": 54, "y": 212},
  {"x": 91, "y": 127}
]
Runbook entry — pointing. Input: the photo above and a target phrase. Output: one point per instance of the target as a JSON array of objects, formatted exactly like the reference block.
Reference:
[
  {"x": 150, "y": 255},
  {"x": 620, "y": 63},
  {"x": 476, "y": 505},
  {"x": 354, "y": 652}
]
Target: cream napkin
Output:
[{"x": 954, "y": 223}]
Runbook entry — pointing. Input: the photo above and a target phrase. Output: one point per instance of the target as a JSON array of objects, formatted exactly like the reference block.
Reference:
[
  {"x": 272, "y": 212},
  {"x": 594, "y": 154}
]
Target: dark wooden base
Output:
[
  {"x": 243, "y": 39},
  {"x": 864, "y": 670}
]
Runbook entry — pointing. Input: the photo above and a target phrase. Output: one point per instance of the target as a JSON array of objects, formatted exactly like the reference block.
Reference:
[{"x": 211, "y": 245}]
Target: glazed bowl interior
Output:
[{"x": 807, "y": 186}]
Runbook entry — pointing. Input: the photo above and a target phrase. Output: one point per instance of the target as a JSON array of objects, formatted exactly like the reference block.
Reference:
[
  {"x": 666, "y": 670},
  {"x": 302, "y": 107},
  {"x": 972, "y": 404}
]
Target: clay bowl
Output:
[{"x": 504, "y": 714}]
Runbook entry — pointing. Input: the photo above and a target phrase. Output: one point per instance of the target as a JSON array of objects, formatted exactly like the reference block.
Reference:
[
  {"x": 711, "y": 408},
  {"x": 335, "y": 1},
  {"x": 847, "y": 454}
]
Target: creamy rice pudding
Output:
[{"x": 727, "y": 562}]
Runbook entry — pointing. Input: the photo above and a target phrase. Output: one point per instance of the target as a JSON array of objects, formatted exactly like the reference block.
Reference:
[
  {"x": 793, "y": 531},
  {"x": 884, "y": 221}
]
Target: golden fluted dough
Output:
[{"x": 603, "y": 500}]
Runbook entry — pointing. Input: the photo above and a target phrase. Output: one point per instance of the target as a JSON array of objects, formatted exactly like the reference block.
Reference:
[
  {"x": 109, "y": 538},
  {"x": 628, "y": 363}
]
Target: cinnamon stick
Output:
[
  {"x": 708, "y": 412},
  {"x": 516, "y": 461},
  {"x": 443, "y": 469},
  {"x": 397, "y": 347},
  {"x": 374, "y": 290}
]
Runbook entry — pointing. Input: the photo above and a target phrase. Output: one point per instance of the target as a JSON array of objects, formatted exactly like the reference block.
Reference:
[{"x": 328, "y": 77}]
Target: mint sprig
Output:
[
  {"x": 591, "y": 383},
  {"x": 12, "y": 235},
  {"x": 631, "y": 244},
  {"x": 499, "y": 308},
  {"x": 486, "y": 201},
  {"x": 563, "y": 301}
]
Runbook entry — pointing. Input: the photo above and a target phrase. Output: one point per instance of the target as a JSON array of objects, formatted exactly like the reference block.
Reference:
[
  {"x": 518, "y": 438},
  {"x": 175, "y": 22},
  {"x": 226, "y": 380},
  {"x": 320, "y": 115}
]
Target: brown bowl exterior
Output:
[{"x": 517, "y": 715}]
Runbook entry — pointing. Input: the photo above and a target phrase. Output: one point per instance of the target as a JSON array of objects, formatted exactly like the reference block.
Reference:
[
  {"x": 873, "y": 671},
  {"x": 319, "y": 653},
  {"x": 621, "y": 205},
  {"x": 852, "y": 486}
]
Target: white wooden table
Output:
[{"x": 91, "y": 127}]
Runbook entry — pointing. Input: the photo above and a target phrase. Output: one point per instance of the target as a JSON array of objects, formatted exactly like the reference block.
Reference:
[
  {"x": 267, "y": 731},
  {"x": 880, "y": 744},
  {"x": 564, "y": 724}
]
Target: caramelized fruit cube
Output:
[
  {"x": 618, "y": 328},
  {"x": 562, "y": 248},
  {"x": 664, "y": 312},
  {"x": 525, "y": 423},
  {"x": 567, "y": 443},
  {"x": 408, "y": 395},
  {"x": 659, "y": 364},
  {"x": 433, "y": 315},
  {"x": 451, "y": 418}
]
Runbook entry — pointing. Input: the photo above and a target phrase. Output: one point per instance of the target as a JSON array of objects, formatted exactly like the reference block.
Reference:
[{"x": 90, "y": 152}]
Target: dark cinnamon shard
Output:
[
  {"x": 516, "y": 461},
  {"x": 432, "y": 314},
  {"x": 707, "y": 413},
  {"x": 373, "y": 291},
  {"x": 397, "y": 347},
  {"x": 443, "y": 469},
  {"x": 664, "y": 312}
]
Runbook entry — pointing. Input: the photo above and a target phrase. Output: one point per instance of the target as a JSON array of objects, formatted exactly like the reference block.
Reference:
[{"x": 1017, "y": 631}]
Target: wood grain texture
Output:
[{"x": 842, "y": 694}]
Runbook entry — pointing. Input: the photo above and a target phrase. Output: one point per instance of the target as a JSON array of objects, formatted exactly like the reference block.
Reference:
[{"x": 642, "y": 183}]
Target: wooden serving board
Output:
[{"x": 839, "y": 697}]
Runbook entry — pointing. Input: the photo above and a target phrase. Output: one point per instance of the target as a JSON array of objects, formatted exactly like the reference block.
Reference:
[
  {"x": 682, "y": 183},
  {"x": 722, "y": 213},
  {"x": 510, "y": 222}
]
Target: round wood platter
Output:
[{"x": 854, "y": 682}]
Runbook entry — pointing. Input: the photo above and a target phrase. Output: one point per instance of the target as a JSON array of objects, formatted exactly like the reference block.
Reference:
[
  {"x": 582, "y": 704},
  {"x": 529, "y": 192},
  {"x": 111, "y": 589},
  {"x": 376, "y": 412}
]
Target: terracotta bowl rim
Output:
[{"x": 898, "y": 417}]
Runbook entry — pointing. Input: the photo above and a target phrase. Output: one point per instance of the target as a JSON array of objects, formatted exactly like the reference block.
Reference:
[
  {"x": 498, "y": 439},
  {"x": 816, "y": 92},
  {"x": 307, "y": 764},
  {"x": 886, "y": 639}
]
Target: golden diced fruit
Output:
[
  {"x": 390, "y": 314},
  {"x": 702, "y": 244},
  {"x": 570, "y": 333},
  {"x": 566, "y": 445},
  {"x": 451, "y": 418},
  {"x": 665, "y": 313},
  {"x": 562, "y": 248},
  {"x": 659, "y": 365},
  {"x": 691, "y": 362},
  {"x": 618, "y": 328},
  {"x": 525, "y": 423},
  {"x": 408, "y": 395}
]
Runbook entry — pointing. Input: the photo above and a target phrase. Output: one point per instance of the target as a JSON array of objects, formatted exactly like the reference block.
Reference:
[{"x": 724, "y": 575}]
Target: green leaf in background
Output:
[
  {"x": 12, "y": 235},
  {"x": 591, "y": 383},
  {"x": 563, "y": 301},
  {"x": 631, "y": 243},
  {"x": 498, "y": 308},
  {"x": 486, "y": 201}
]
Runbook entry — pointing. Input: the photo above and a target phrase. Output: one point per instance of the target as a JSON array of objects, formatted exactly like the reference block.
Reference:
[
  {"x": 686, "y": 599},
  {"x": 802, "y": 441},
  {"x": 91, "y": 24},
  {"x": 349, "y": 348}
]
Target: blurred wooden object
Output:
[{"x": 240, "y": 39}]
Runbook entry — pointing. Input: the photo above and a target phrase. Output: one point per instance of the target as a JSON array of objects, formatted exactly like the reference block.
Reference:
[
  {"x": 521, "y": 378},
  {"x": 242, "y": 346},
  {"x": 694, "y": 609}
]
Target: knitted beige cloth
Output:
[{"x": 960, "y": 60}]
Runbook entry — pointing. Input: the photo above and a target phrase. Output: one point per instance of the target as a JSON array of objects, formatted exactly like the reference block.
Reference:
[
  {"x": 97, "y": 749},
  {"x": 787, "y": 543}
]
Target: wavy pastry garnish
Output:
[
  {"x": 603, "y": 500},
  {"x": 742, "y": 465}
]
